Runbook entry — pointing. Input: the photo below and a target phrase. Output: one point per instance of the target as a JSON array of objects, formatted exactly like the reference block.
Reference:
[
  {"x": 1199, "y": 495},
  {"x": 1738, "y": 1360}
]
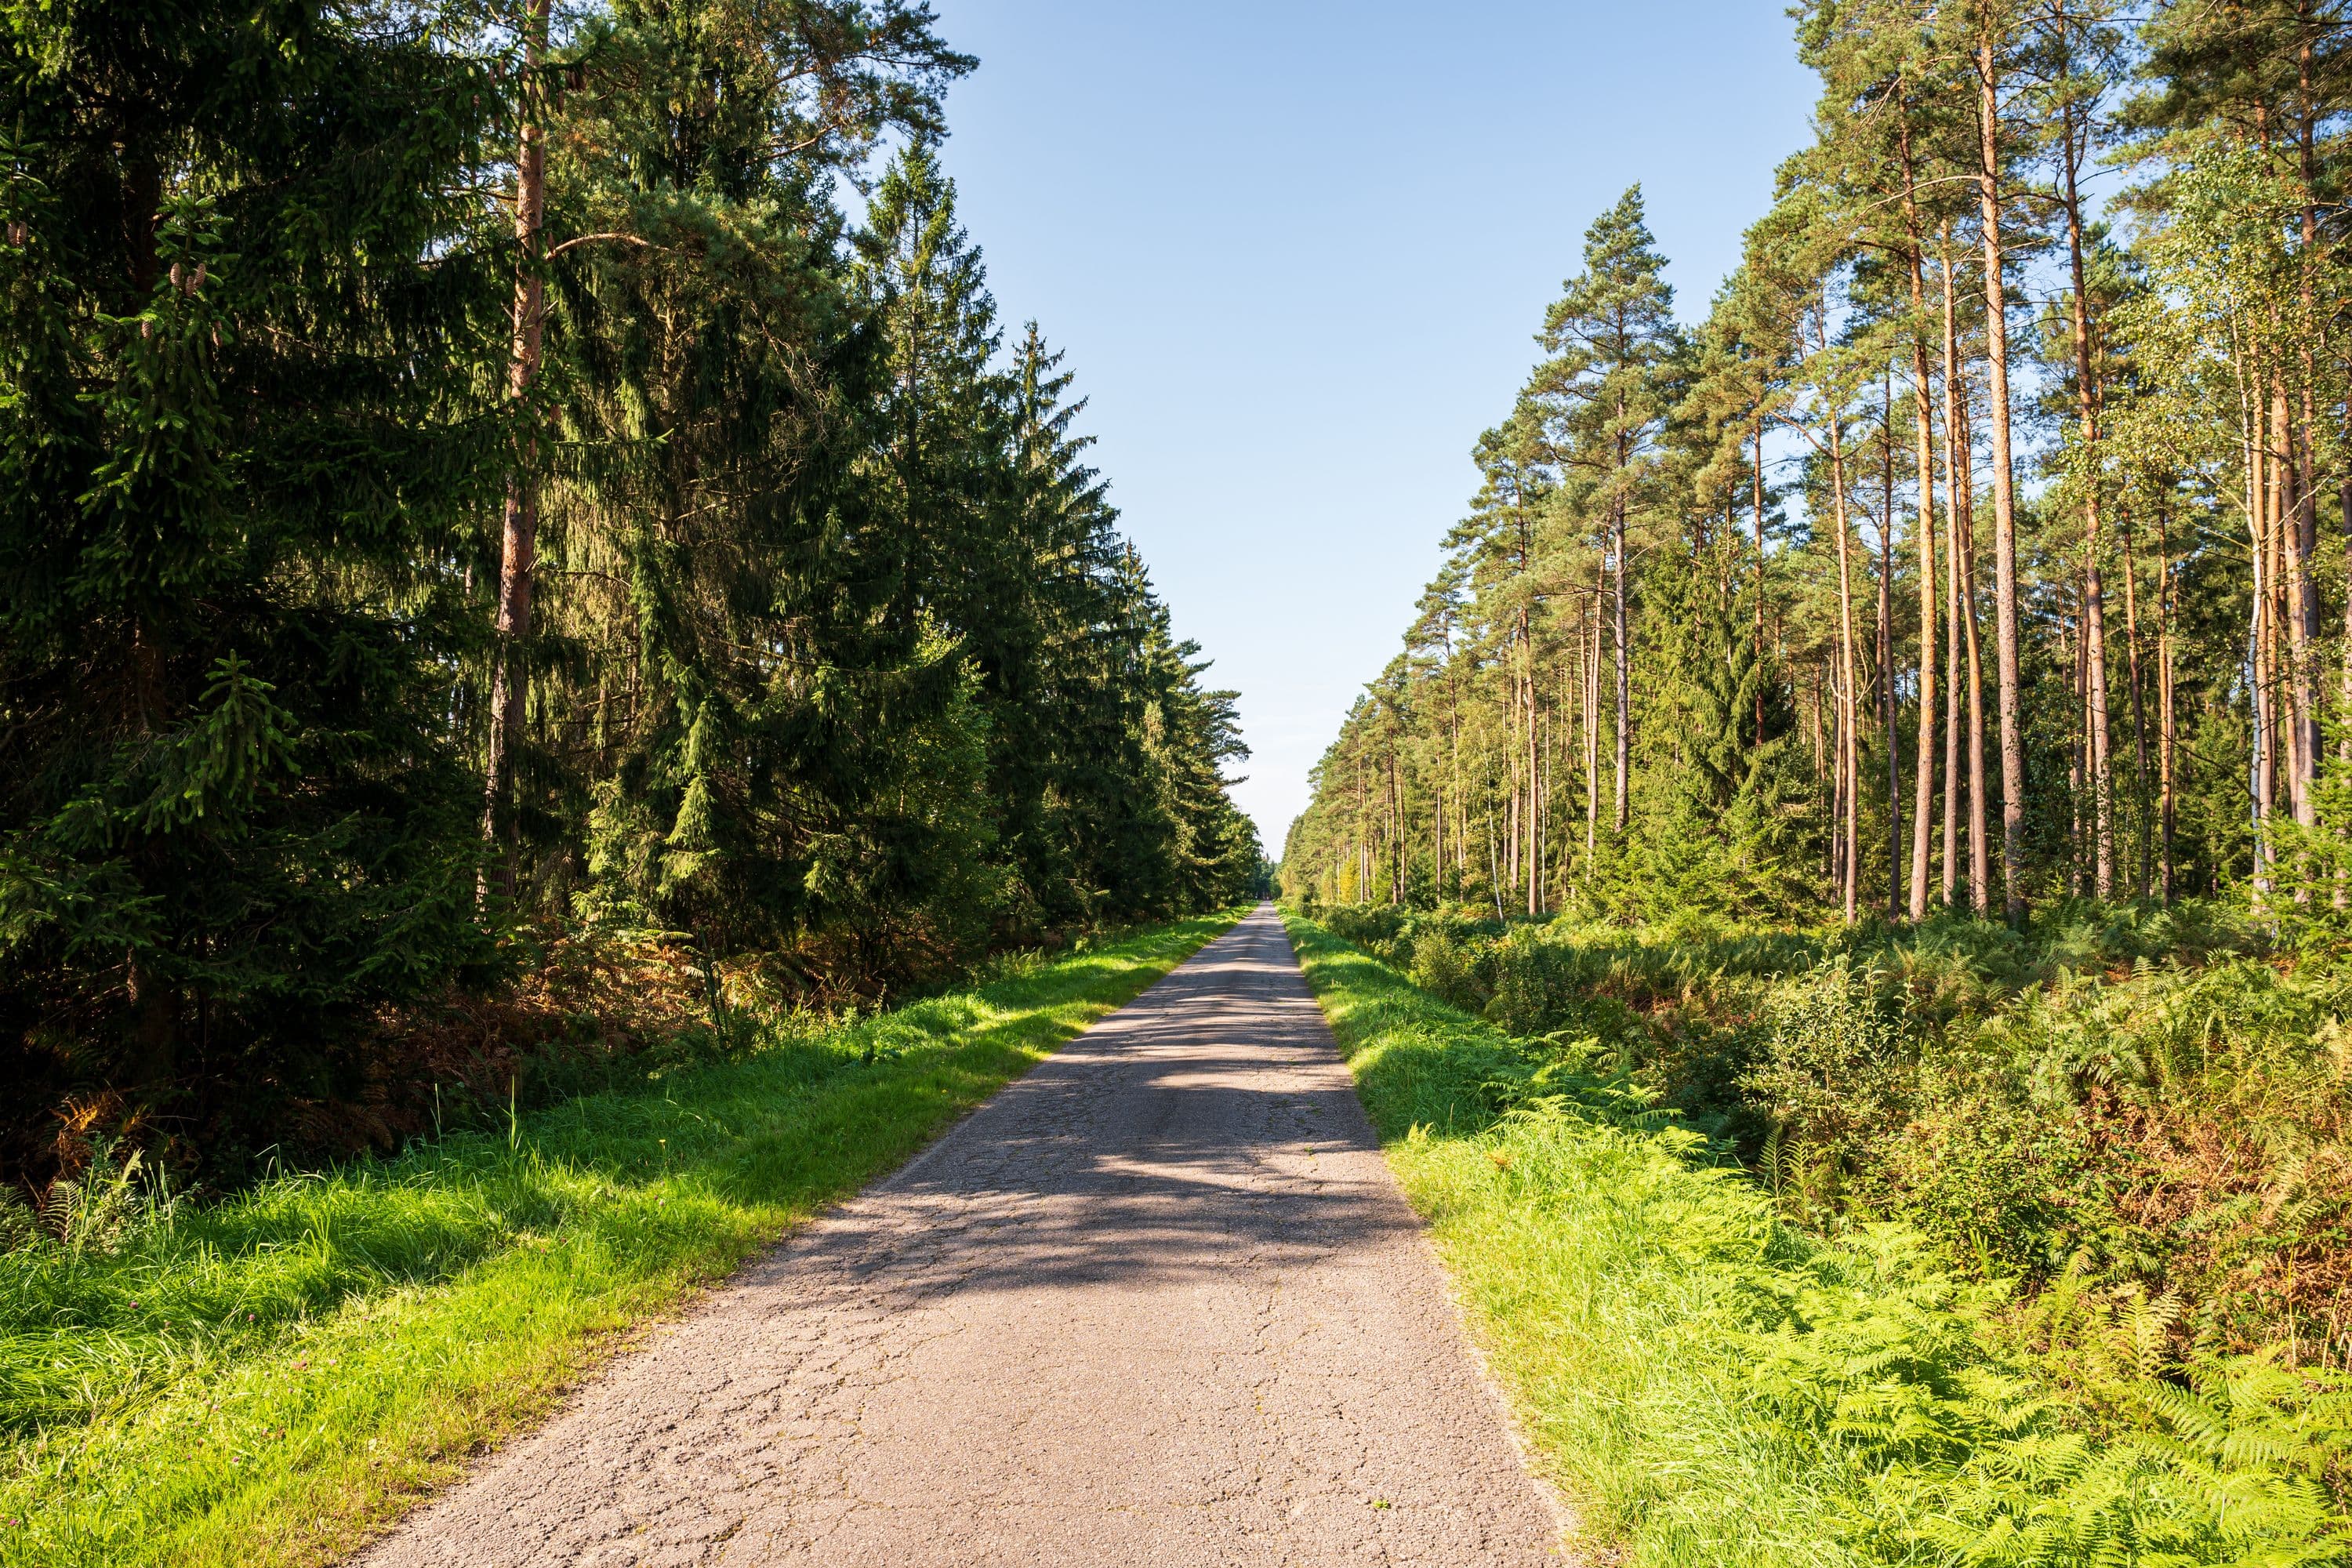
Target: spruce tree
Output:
[{"x": 242, "y": 443}]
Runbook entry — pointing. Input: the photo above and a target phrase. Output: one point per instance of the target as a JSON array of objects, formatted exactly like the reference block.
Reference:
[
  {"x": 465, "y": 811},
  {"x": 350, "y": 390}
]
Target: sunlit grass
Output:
[
  {"x": 1593, "y": 1269},
  {"x": 266, "y": 1380}
]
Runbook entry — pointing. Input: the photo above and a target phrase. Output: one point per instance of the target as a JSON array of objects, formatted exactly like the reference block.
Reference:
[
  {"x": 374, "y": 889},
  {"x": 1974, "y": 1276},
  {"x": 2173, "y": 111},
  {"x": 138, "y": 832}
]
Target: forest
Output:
[
  {"x": 1966, "y": 554},
  {"x": 1895, "y": 731},
  {"x": 523, "y": 536}
]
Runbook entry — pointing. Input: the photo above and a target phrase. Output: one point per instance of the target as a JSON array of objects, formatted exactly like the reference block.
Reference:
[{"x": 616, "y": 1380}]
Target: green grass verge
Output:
[
  {"x": 272, "y": 1379},
  {"x": 1709, "y": 1384}
]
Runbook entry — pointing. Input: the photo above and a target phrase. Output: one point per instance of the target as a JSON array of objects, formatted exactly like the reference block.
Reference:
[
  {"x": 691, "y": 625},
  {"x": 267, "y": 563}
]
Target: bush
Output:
[
  {"x": 1716, "y": 1384},
  {"x": 2158, "y": 1091}
]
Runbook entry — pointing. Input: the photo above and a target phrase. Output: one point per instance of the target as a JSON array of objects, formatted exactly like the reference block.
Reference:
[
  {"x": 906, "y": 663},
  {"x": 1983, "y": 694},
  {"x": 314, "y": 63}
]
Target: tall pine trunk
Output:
[
  {"x": 1851, "y": 846},
  {"x": 2306, "y": 533},
  {"x": 1923, "y": 810},
  {"x": 1887, "y": 718},
  {"x": 2250, "y": 414},
  {"x": 1396, "y": 829},
  {"x": 1624, "y": 672},
  {"x": 1759, "y": 483},
  {"x": 1959, "y": 483},
  {"x": 2005, "y": 497},
  {"x": 2084, "y": 827},
  {"x": 2095, "y": 614},
  {"x": 1535, "y": 795},
  {"x": 1972, "y": 640},
  {"x": 2297, "y": 522},
  {"x": 2343, "y": 692},
  {"x": 2164, "y": 700},
  {"x": 1437, "y": 843},
  {"x": 1511, "y": 818},
  {"x": 2142, "y": 837},
  {"x": 1592, "y": 735}
]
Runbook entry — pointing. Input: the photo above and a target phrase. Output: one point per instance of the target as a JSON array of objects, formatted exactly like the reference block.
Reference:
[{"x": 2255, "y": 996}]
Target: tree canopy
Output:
[
  {"x": 467, "y": 472},
  {"x": 1966, "y": 554}
]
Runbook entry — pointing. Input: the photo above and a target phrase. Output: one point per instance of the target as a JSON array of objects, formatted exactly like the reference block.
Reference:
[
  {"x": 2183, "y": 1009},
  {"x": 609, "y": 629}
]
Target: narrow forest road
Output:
[{"x": 1158, "y": 1302}]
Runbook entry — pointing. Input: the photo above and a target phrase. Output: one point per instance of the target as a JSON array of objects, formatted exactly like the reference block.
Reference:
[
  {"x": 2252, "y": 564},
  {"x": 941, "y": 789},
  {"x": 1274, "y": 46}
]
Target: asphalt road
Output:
[{"x": 1158, "y": 1302}]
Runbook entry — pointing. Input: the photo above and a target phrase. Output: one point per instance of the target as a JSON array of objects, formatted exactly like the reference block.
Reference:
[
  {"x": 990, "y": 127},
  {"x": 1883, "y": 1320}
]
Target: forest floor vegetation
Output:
[
  {"x": 2151, "y": 1099},
  {"x": 1718, "y": 1367},
  {"x": 270, "y": 1377}
]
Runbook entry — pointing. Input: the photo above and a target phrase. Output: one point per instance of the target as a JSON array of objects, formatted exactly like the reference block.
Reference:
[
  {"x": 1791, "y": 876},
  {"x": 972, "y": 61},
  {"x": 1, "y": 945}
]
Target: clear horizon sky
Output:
[{"x": 1297, "y": 253}]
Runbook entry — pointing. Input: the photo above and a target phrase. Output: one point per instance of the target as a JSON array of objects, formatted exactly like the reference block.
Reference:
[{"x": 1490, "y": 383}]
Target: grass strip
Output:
[
  {"x": 1709, "y": 1384},
  {"x": 272, "y": 1379},
  {"x": 1584, "y": 1260}
]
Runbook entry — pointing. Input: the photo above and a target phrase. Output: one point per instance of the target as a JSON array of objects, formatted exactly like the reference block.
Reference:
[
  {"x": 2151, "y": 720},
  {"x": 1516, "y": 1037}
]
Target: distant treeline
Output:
[
  {"x": 1968, "y": 553},
  {"x": 469, "y": 470}
]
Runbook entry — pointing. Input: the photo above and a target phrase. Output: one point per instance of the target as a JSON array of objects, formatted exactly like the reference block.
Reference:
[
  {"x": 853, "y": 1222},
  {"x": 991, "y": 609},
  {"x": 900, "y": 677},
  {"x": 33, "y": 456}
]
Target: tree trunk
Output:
[
  {"x": 1923, "y": 808},
  {"x": 1972, "y": 638},
  {"x": 1396, "y": 828},
  {"x": 1593, "y": 736},
  {"x": 2095, "y": 614},
  {"x": 1511, "y": 826},
  {"x": 518, "y": 540},
  {"x": 1758, "y": 481},
  {"x": 2084, "y": 826},
  {"x": 2138, "y": 706},
  {"x": 1846, "y": 711},
  {"x": 1625, "y": 677},
  {"x": 1437, "y": 845},
  {"x": 1494, "y": 880},
  {"x": 1363, "y": 835},
  {"x": 2259, "y": 537},
  {"x": 2004, "y": 498},
  {"x": 2263, "y": 762},
  {"x": 1839, "y": 795},
  {"x": 2300, "y": 601},
  {"x": 1958, "y": 488},
  {"x": 2344, "y": 513},
  {"x": 1821, "y": 770},
  {"x": 1888, "y": 723},
  {"x": 1461, "y": 798},
  {"x": 1535, "y": 798},
  {"x": 2164, "y": 702},
  {"x": 2344, "y": 746},
  {"x": 2307, "y": 507}
]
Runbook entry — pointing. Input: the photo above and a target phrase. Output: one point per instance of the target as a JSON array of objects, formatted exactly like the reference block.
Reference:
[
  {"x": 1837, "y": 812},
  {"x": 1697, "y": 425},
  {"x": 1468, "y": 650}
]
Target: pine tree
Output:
[{"x": 1617, "y": 358}]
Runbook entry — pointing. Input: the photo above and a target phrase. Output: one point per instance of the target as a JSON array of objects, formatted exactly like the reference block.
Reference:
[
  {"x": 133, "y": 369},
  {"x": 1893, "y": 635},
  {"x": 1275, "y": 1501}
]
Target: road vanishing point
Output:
[{"x": 1158, "y": 1302}]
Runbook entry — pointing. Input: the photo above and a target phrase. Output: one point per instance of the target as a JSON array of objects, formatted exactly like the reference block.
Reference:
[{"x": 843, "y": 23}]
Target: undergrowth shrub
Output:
[
  {"x": 1835, "y": 1071},
  {"x": 2159, "y": 1092},
  {"x": 1716, "y": 1381}
]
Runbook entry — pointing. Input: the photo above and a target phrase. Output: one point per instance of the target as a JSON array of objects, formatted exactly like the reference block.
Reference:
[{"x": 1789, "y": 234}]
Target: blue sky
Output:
[{"x": 1297, "y": 253}]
